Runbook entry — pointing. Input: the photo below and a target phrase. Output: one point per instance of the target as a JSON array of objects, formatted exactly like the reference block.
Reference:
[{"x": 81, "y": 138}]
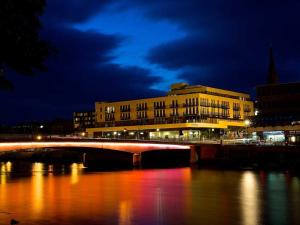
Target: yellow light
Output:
[
  {"x": 247, "y": 122},
  {"x": 8, "y": 166},
  {"x": 293, "y": 139},
  {"x": 157, "y": 129},
  {"x": 39, "y": 137},
  {"x": 83, "y": 134}
]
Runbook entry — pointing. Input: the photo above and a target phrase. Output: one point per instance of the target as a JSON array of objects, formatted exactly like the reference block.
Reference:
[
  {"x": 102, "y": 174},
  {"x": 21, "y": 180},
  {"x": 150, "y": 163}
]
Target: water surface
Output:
[{"x": 37, "y": 193}]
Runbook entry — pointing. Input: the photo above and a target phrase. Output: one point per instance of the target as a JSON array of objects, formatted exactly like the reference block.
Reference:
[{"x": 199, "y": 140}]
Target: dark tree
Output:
[{"x": 21, "y": 48}]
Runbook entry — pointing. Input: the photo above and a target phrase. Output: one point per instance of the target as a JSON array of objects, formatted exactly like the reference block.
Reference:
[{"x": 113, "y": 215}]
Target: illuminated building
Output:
[
  {"x": 83, "y": 120},
  {"x": 278, "y": 109},
  {"x": 187, "y": 111}
]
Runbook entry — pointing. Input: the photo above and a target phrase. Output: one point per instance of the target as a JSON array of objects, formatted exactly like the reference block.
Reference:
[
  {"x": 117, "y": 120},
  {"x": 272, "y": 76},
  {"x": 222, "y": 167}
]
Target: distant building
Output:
[
  {"x": 277, "y": 109},
  {"x": 187, "y": 111},
  {"x": 83, "y": 120}
]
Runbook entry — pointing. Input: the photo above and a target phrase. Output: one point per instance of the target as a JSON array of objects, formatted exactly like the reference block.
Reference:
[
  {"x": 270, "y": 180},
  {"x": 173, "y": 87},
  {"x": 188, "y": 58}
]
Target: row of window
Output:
[
  {"x": 124, "y": 108},
  {"x": 141, "y": 106},
  {"x": 159, "y": 113},
  {"x": 189, "y": 102},
  {"x": 236, "y": 107},
  {"x": 82, "y": 114},
  {"x": 84, "y": 118}
]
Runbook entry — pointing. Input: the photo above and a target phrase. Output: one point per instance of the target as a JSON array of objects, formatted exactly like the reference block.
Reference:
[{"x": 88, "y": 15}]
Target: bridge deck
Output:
[{"x": 132, "y": 147}]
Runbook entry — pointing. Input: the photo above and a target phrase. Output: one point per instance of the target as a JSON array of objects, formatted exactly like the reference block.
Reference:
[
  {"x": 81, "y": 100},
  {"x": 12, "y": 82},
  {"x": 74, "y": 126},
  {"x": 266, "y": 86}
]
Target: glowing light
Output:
[
  {"x": 131, "y": 133},
  {"x": 247, "y": 122},
  {"x": 142, "y": 133},
  {"x": 39, "y": 137},
  {"x": 8, "y": 167},
  {"x": 82, "y": 134},
  {"x": 256, "y": 112},
  {"x": 115, "y": 133},
  {"x": 293, "y": 139},
  {"x": 42, "y": 126},
  {"x": 157, "y": 129}
]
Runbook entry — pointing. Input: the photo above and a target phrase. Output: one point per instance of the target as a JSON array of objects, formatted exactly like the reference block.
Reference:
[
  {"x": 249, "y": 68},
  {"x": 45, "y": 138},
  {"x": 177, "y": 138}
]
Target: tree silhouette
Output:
[{"x": 21, "y": 48}]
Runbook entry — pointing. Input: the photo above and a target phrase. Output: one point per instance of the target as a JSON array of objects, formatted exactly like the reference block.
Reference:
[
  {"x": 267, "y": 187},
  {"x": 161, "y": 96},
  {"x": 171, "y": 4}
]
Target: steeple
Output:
[{"x": 272, "y": 73}]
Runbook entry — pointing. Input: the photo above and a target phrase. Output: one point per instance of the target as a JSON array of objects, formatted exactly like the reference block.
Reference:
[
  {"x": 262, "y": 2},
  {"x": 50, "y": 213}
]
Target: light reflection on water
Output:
[
  {"x": 250, "y": 199},
  {"x": 40, "y": 193}
]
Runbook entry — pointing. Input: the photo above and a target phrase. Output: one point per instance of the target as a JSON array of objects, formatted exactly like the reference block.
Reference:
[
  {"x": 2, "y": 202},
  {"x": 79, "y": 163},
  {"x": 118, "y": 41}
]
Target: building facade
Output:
[
  {"x": 83, "y": 120},
  {"x": 187, "y": 111},
  {"x": 278, "y": 112},
  {"x": 277, "y": 105}
]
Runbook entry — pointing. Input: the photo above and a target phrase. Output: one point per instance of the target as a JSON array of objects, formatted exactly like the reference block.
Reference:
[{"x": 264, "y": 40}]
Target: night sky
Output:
[{"x": 127, "y": 49}]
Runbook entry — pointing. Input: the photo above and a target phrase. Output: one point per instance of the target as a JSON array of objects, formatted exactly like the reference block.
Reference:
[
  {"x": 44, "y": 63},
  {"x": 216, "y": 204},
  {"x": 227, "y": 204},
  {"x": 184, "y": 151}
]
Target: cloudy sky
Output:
[{"x": 126, "y": 49}]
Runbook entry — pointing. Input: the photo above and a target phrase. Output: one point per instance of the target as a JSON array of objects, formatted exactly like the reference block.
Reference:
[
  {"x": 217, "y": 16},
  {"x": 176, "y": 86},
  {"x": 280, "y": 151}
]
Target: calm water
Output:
[{"x": 68, "y": 194}]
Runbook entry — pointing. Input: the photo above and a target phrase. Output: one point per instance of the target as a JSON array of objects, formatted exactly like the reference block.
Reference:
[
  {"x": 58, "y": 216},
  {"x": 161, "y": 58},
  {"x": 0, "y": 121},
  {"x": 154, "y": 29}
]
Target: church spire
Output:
[{"x": 272, "y": 73}]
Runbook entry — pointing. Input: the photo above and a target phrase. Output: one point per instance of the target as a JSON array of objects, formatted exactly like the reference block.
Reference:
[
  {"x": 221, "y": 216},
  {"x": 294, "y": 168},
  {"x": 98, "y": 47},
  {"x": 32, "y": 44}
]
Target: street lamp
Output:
[
  {"x": 39, "y": 137},
  {"x": 247, "y": 123},
  {"x": 124, "y": 131}
]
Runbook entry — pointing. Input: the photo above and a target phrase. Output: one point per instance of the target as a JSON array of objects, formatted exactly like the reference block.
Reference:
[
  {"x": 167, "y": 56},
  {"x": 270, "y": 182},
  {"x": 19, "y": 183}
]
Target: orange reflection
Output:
[
  {"x": 3, "y": 174},
  {"x": 37, "y": 187},
  {"x": 3, "y": 183},
  {"x": 125, "y": 213},
  {"x": 250, "y": 200},
  {"x": 120, "y": 196}
]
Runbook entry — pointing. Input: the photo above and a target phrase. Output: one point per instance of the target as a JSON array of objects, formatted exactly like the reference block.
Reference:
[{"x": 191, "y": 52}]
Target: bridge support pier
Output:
[
  {"x": 84, "y": 158},
  {"x": 137, "y": 159},
  {"x": 194, "y": 155}
]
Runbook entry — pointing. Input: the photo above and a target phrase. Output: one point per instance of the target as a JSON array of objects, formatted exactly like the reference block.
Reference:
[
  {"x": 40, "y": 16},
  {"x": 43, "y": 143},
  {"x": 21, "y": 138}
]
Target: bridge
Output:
[
  {"x": 95, "y": 152},
  {"x": 133, "y": 149}
]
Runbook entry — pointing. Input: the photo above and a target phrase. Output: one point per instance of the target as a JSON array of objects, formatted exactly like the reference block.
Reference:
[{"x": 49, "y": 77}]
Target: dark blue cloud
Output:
[
  {"x": 227, "y": 41},
  {"x": 79, "y": 74}
]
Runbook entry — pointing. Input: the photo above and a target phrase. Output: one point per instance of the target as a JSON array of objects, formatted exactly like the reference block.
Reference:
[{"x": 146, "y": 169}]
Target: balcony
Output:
[
  {"x": 225, "y": 107},
  {"x": 237, "y": 108},
  {"x": 205, "y": 104},
  {"x": 141, "y": 108},
  {"x": 174, "y": 106},
  {"x": 125, "y": 110}
]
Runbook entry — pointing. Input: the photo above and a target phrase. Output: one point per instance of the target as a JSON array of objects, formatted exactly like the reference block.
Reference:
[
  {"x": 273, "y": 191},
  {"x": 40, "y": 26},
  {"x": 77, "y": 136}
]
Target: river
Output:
[{"x": 37, "y": 193}]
